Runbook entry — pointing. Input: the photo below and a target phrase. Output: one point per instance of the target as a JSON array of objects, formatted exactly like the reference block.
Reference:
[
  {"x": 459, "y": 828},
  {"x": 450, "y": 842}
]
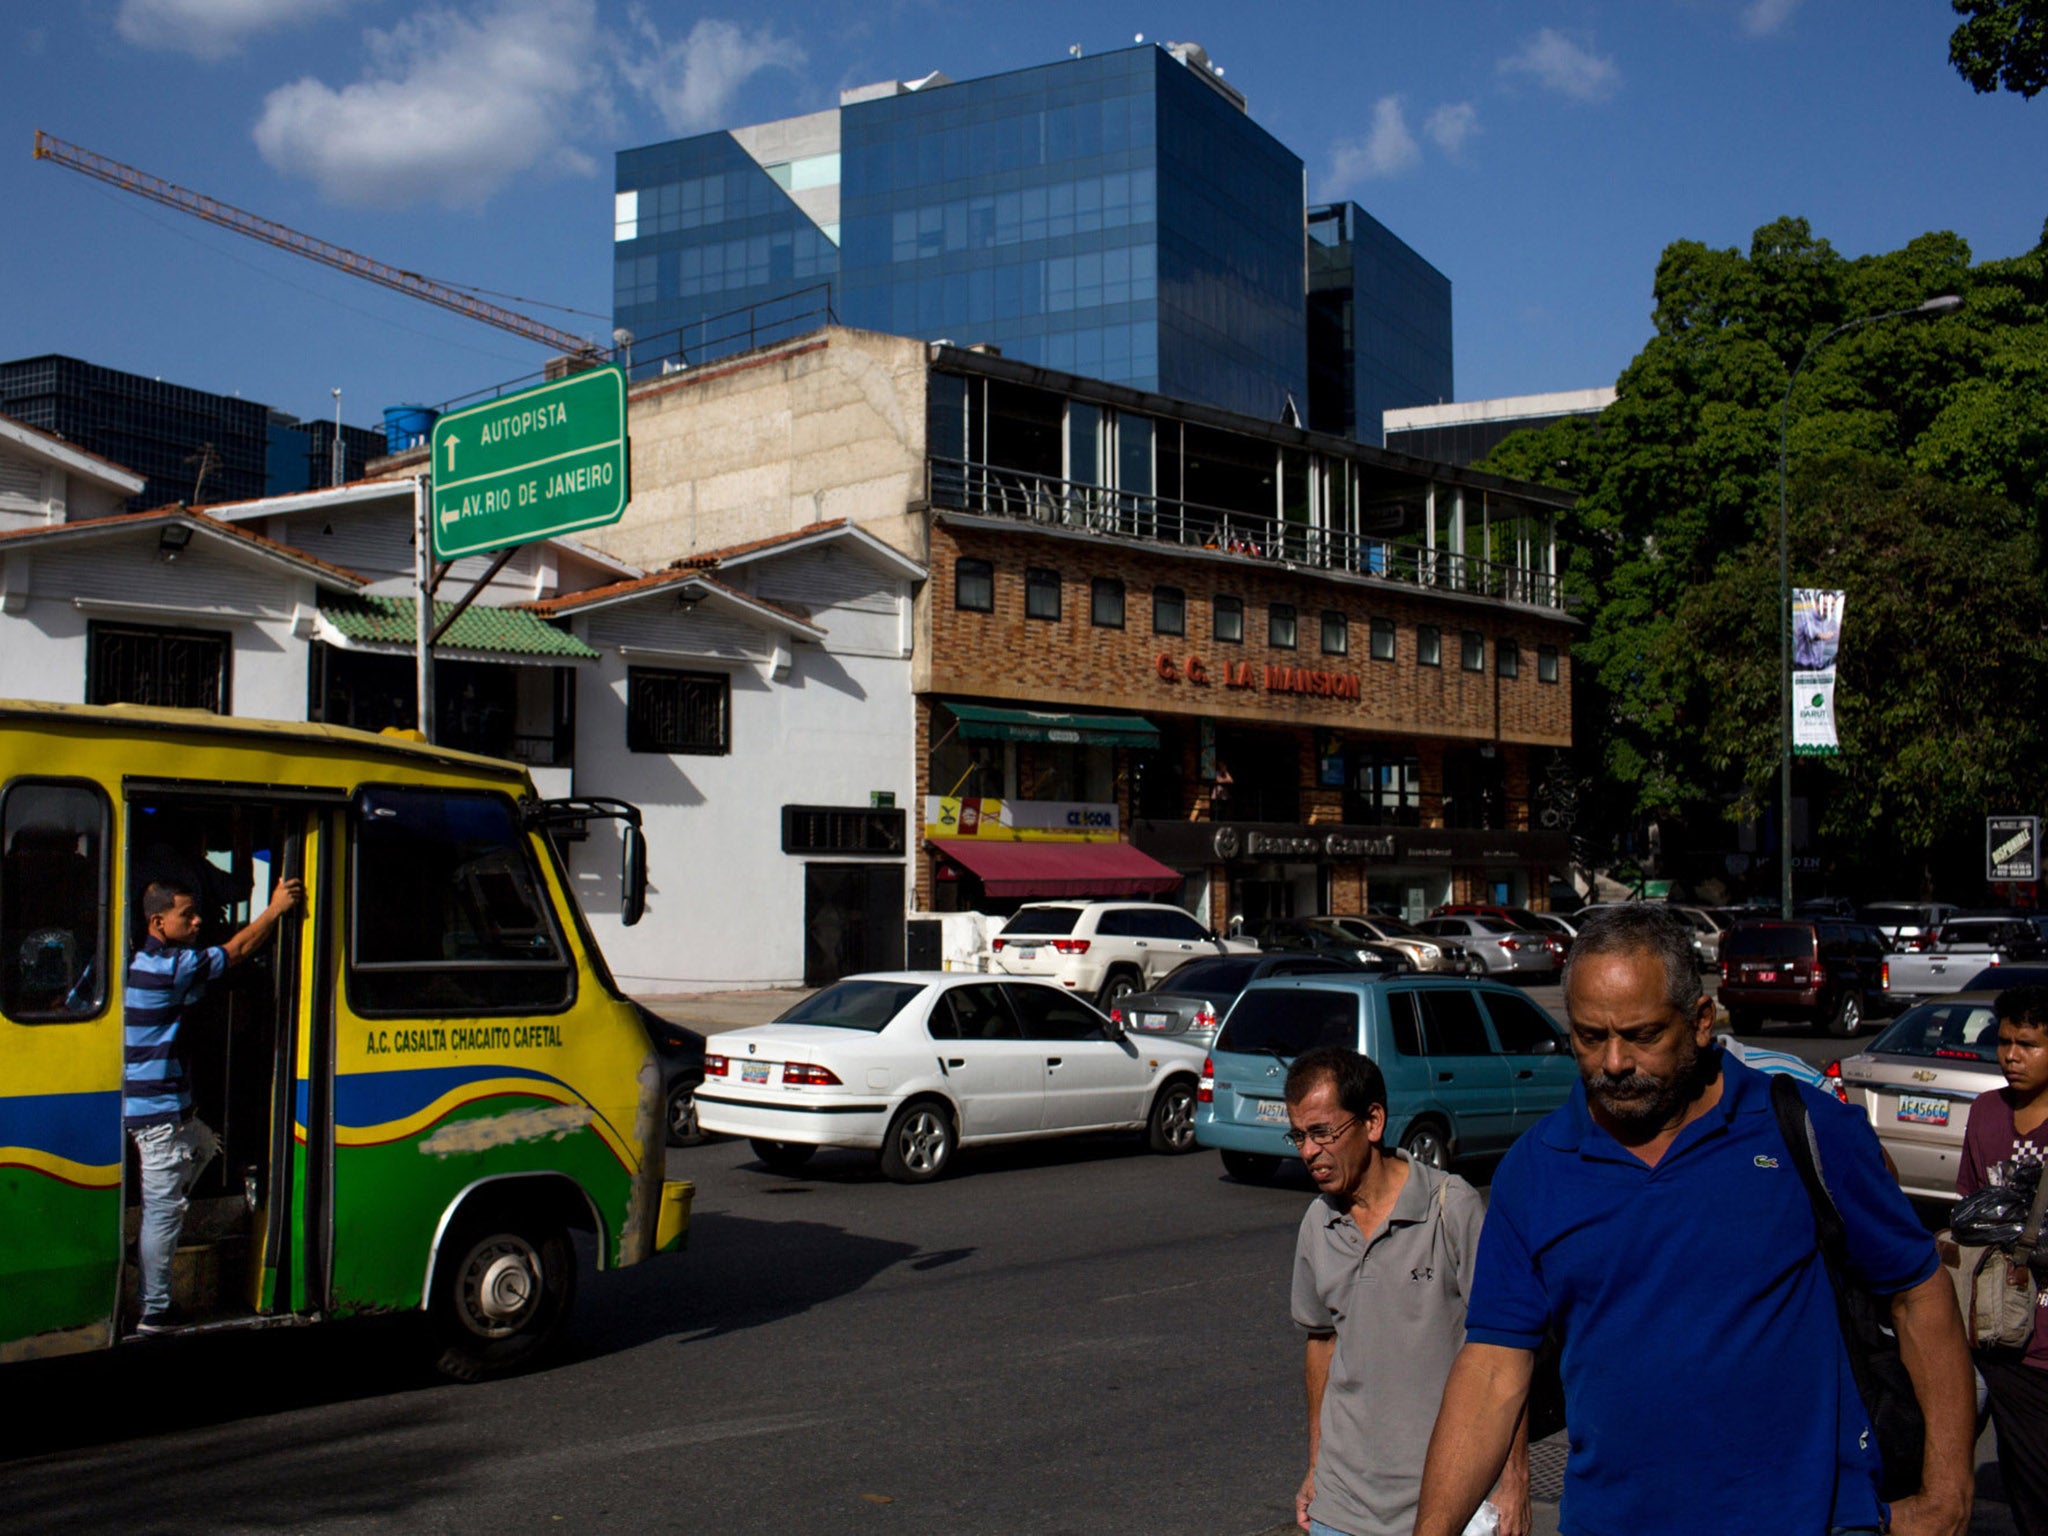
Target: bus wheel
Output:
[{"x": 502, "y": 1294}]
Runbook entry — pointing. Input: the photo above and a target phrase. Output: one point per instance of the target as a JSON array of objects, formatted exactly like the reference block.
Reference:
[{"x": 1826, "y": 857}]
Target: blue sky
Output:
[{"x": 1541, "y": 153}]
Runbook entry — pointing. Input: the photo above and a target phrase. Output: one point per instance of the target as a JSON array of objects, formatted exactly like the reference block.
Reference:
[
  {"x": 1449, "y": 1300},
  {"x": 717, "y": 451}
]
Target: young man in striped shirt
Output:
[{"x": 166, "y": 976}]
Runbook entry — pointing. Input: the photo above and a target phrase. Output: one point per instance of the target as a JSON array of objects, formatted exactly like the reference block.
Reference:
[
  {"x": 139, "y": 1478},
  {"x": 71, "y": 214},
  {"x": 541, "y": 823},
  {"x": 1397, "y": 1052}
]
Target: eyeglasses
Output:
[{"x": 1321, "y": 1135}]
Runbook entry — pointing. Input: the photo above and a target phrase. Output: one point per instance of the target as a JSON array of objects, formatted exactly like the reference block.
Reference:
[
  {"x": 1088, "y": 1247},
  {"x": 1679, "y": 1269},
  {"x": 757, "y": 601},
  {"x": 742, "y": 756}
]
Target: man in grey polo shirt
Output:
[{"x": 1381, "y": 1268}]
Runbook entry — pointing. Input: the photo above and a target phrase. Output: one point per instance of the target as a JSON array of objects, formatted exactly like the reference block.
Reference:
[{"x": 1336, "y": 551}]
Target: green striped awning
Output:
[
  {"x": 982, "y": 722},
  {"x": 376, "y": 623}
]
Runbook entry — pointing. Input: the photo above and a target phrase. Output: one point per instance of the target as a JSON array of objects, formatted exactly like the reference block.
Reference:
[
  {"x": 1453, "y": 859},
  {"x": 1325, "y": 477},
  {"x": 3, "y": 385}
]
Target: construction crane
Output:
[{"x": 214, "y": 211}]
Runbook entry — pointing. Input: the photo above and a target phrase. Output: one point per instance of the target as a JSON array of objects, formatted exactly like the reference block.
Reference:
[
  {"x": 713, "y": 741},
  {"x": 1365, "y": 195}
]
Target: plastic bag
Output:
[
  {"x": 1485, "y": 1521},
  {"x": 1995, "y": 1215}
]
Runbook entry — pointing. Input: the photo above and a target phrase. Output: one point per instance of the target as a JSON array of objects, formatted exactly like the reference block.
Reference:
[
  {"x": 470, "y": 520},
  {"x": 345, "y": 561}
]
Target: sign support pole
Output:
[{"x": 423, "y": 602}]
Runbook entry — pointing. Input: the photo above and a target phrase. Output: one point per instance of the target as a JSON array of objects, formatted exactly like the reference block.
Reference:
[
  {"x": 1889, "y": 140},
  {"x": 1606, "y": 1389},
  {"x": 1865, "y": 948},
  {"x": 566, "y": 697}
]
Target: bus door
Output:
[{"x": 246, "y": 1043}]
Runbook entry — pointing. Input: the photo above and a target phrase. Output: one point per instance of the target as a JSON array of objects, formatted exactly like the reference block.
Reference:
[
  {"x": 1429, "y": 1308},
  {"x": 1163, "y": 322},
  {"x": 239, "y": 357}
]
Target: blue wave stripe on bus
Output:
[
  {"x": 83, "y": 1127},
  {"x": 378, "y": 1098}
]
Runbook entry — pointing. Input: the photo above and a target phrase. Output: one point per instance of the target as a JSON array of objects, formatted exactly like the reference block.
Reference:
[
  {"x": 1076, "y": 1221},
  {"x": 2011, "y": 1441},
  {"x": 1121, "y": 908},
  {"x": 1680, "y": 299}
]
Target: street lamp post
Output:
[{"x": 1947, "y": 304}]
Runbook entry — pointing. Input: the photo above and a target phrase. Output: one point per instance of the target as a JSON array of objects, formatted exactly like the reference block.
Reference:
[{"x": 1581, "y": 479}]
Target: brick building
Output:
[{"x": 1162, "y": 647}]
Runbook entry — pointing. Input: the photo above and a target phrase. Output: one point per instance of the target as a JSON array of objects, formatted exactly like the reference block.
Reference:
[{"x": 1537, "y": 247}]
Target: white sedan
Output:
[{"x": 916, "y": 1064}]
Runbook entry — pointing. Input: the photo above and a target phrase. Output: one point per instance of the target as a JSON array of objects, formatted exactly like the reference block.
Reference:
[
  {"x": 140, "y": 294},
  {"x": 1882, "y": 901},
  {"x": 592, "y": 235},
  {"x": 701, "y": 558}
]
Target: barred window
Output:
[
  {"x": 173, "y": 668},
  {"x": 678, "y": 711},
  {"x": 843, "y": 829}
]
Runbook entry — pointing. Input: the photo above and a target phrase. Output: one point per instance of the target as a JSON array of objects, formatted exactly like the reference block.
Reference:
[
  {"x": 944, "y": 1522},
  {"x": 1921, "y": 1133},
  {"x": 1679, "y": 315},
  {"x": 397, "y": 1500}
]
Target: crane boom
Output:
[{"x": 214, "y": 211}]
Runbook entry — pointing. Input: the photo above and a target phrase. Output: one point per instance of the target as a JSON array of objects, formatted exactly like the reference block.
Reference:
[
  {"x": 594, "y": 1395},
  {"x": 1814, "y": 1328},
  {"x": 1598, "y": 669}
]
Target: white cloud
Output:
[
  {"x": 1388, "y": 149},
  {"x": 1559, "y": 64},
  {"x": 1760, "y": 18},
  {"x": 210, "y": 29},
  {"x": 1451, "y": 124},
  {"x": 451, "y": 107},
  {"x": 692, "y": 81}
]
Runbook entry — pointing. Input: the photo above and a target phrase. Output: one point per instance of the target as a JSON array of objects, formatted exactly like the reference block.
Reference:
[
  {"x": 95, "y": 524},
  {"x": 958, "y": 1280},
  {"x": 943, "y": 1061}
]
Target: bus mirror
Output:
[{"x": 632, "y": 875}]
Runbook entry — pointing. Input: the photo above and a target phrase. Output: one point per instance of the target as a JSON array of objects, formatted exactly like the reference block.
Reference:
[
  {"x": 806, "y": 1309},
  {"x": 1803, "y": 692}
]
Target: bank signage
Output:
[
  {"x": 549, "y": 460},
  {"x": 1020, "y": 821},
  {"x": 2012, "y": 847}
]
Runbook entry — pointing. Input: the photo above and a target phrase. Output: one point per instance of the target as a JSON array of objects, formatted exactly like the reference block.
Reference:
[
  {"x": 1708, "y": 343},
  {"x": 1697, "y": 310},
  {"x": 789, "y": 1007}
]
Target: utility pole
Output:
[{"x": 423, "y": 605}]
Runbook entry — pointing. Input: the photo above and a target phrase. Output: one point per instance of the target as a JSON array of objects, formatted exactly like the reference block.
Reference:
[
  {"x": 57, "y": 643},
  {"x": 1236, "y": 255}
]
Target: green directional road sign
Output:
[{"x": 548, "y": 460}]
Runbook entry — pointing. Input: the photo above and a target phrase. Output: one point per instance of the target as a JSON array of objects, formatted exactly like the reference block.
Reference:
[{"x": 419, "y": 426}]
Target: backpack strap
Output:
[
  {"x": 1796, "y": 1126},
  {"x": 2030, "y": 1235}
]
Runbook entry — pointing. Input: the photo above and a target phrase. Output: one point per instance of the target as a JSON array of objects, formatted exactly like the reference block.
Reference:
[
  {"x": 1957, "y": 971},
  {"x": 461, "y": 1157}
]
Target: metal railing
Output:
[{"x": 992, "y": 491}]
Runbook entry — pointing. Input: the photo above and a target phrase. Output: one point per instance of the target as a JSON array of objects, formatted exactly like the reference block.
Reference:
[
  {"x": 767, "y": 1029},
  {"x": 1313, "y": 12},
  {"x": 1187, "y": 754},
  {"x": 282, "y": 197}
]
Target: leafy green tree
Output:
[
  {"x": 2003, "y": 44},
  {"x": 1678, "y": 497}
]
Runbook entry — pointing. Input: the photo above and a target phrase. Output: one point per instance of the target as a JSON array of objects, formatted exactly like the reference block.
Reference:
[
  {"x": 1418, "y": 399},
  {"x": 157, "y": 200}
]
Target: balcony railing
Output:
[{"x": 1049, "y": 502}]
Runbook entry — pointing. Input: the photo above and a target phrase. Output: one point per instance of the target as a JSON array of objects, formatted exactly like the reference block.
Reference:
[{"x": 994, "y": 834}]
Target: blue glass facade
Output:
[
  {"x": 1111, "y": 216},
  {"x": 1379, "y": 324}
]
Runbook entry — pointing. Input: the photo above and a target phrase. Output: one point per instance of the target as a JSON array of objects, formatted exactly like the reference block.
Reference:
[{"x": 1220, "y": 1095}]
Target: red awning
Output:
[{"x": 1060, "y": 869}]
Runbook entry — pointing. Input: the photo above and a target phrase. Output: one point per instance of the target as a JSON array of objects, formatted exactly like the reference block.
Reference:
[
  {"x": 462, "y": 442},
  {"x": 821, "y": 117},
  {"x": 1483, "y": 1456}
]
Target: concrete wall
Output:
[
  {"x": 52, "y": 594},
  {"x": 725, "y": 903},
  {"x": 831, "y": 425}
]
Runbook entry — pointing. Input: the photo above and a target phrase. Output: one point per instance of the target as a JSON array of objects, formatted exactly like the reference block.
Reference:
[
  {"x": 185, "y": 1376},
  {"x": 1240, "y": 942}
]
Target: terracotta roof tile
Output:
[{"x": 213, "y": 524}]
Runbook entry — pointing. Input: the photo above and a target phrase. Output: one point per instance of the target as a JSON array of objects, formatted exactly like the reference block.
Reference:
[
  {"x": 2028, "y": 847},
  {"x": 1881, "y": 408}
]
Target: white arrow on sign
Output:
[{"x": 452, "y": 441}]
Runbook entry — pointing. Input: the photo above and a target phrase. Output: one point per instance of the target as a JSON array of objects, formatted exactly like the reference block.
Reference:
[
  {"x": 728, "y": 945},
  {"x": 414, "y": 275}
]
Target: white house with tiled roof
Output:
[{"x": 44, "y": 480}]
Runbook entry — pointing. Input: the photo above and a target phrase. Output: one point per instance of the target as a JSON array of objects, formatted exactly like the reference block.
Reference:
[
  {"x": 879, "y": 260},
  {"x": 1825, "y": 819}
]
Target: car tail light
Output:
[
  {"x": 1205, "y": 1016},
  {"x": 1724, "y": 973},
  {"x": 809, "y": 1075},
  {"x": 714, "y": 1066},
  {"x": 1205, "y": 1090},
  {"x": 995, "y": 944},
  {"x": 1071, "y": 946},
  {"x": 1509, "y": 944},
  {"x": 1885, "y": 973},
  {"x": 1833, "y": 1073}
]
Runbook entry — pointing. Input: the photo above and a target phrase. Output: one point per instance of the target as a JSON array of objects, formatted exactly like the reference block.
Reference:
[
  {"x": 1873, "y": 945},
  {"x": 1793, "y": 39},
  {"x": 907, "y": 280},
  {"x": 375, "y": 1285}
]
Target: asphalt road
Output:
[{"x": 1075, "y": 1336}]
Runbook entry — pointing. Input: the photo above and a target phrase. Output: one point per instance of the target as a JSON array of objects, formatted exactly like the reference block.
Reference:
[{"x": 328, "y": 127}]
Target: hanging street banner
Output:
[
  {"x": 546, "y": 461},
  {"x": 2012, "y": 848},
  {"x": 1816, "y": 637}
]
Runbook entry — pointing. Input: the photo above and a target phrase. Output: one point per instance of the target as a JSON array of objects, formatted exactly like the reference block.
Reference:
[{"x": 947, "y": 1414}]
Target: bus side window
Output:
[
  {"x": 53, "y": 901},
  {"x": 447, "y": 913}
]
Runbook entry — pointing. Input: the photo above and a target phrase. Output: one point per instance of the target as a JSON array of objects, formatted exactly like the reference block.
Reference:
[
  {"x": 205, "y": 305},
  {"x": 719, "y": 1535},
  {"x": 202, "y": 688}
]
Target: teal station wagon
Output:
[{"x": 1470, "y": 1064}]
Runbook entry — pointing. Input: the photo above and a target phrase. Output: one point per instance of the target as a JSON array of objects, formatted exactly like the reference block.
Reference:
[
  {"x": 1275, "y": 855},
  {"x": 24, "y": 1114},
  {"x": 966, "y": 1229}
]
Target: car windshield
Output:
[
  {"x": 1954, "y": 1031},
  {"x": 1045, "y": 920},
  {"x": 867, "y": 1005},
  {"x": 1213, "y": 976},
  {"x": 1764, "y": 941},
  {"x": 1290, "y": 1020}
]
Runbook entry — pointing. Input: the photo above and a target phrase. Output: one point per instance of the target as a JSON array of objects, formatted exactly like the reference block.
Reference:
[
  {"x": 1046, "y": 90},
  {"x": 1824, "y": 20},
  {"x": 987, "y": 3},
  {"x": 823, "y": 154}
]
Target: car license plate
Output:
[
  {"x": 1766, "y": 975},
  {"x": 1025, "y": 951},
  {"x": 1918, "y": 1110},
  {"x": 1151, "y": 1020},
  {"x": 753, "y": 1071},
  {"x": 1272, "y": 1109}
]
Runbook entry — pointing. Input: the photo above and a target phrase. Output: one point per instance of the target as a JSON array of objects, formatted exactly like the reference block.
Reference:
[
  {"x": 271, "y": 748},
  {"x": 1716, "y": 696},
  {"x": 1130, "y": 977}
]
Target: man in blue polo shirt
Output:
[
  {"x": 1658, "y": 1223},
  {"x": 166, "y": 976}
]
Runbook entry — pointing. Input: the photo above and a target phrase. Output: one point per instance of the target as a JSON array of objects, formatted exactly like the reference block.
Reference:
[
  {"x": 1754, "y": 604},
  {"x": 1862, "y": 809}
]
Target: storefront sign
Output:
[
  {"x": 1243, "y": 675},
  {"x": 1020, "y": 821}
]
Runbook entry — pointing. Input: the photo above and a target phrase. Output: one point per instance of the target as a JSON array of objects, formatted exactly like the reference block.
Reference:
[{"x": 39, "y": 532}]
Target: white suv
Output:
[{"x": 1105, "y": 949}]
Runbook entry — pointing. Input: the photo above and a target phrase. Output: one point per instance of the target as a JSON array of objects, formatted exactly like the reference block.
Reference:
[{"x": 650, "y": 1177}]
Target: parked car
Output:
[
  {"x": 1908, "y": 926},
  {"x": 1497, "y": 945},
  {"x": 1429, "y": 953},
  {"x": 1916, "y": 1082},
  {"x": 1189, "y": 1005},
  {"x": 915, "y": 1064},
  {"x": 1808, "y": 970},
  {"x": 1104, "y": 949},
  {"x": 1963, "y": 946},
  {"x": 1562, "y": 927},
  {"x": 1470, "y": 1064},
  {"x": 1310, "y": 935},
  {"x": 1706, "y": 935}
]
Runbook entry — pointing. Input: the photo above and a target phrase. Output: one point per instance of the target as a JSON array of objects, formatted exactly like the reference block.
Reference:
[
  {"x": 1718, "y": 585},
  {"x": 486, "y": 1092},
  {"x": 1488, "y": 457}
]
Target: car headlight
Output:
[{"x": 1431, "y": 952}]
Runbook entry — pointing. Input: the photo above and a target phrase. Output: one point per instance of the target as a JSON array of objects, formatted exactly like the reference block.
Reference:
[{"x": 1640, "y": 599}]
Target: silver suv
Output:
[{"x": 1104, "y": 949}]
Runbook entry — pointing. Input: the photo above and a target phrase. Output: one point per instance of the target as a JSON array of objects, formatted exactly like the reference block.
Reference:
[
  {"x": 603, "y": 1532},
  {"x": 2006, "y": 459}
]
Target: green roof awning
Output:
[
  {"x": 377, "y": 623},
  {"x": 980, "y": 722}
]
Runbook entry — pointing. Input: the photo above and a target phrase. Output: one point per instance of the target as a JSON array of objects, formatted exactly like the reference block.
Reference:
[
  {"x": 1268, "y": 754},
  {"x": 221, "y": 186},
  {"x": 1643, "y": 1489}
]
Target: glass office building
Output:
[
  {"x": 1379, "y": 324},
  {"x": 1118, "y": 216}
]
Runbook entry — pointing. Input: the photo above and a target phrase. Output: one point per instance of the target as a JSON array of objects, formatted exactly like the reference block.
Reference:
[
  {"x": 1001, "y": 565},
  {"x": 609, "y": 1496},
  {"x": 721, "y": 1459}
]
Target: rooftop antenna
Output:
[{"x": 206, "y": 459}]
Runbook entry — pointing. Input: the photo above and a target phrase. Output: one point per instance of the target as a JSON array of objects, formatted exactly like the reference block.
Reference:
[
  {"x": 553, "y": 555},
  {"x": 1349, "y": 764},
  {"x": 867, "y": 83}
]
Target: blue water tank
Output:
[{"x": 408, "y": 426}]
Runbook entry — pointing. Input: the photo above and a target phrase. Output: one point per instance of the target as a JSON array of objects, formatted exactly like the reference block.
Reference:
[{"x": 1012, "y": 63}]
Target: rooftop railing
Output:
[{"x": 985, "y": 489}]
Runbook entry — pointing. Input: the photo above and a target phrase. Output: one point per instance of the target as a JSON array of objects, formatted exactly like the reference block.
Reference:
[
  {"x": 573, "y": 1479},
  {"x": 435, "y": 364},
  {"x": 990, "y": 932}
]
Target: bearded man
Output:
[{"x": 1658, "y": 1223}]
